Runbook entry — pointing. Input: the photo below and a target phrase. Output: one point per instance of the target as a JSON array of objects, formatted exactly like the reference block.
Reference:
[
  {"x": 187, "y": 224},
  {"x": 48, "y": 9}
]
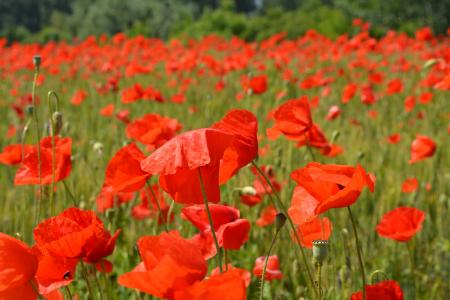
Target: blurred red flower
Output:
[
  {"x": 401, "y": 224},
  {"x": 384, "y": 290},
  {"x": 421, "y": 148},
  {"x": 272, "y": 271},
  {"x": 12, "y": 154},
  {"x": 410, "y": 185}
]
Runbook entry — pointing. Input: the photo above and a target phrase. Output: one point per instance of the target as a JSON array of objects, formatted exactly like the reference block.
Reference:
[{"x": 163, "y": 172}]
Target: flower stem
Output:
[
  {"x": 319, "y": 279},
  {"x": 213, "y": 231},
  {"x": 161, "y": 215},
  {"x": 291, "y": 223},
  {"x": 38, "y": 138},
  {"x": 266, "y": 260},
  {"x": 358, "y": 250},
  {"x": 86, "y": 278}
]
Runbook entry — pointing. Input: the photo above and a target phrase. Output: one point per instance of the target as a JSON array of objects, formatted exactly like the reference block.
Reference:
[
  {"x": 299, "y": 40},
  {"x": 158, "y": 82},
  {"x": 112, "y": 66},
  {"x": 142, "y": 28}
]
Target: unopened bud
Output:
[
  {"x": 29, "y": 109},
  {"x": 98, "y": 147},
  {"x": 248, "y": 191},
  {"x": 58, "y": 121},
  {"x": 37, "y": 61},
  {"x": 335, "y": 136},
  {"x": 361, "y": 155},
  {"x": 280, "y": 220},
  {"x": 320, "y": 250},
  {"x": 429, "y": 63}
]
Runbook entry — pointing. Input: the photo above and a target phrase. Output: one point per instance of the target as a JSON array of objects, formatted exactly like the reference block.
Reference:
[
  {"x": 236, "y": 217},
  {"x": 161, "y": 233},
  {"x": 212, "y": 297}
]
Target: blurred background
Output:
[{"x": 44, "y": 20}]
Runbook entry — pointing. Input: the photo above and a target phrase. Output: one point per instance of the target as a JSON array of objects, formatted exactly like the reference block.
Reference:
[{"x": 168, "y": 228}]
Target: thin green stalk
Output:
[
  {"x": 72, "y": 197},
  {"x": 69, "y": 294},
  {"x": 213, "y": 230},
  {"x": 38, "y": 137},
  {"x": 319, "y": 280},
  {"x": 153, "y": 196},
  {"x": 413, "y": 264},
  {"x": 266, "y": 260},
  {"x": 53, "y": 133},
  {"x": 97, "y": 283},
  {"x": 291, "y": 223},
  {"x": 86, "y": 278},
  {"x": 358, "y": 250}
]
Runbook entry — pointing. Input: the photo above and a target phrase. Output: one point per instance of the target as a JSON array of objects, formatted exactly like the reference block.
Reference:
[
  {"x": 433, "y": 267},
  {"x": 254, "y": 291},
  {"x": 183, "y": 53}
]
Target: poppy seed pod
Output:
[
  {"x": 37, "y": 61},
  {"x": 320, "y": 251}
]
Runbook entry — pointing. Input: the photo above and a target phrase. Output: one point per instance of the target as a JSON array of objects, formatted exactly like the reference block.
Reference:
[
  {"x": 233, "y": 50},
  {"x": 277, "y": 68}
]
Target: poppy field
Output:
[{"x": 135, "y": 168}]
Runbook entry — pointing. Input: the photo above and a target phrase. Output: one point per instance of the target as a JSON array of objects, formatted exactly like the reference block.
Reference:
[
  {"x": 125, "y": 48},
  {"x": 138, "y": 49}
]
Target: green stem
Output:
[
  {"x": 72, "y": 197},
  {"x": 358, "y": 250},
  {"x": 291, "y": 223},
  {"x": 153, "y": 196},
  {"x": 213, "y": 231},
  {"x": 53, "y": 133},
  {"x": 413, "y": 265},
  {"x": 266, "y": 260},
  {"x": 319, "y": 280},
  {"x": 38, "y": 137},
  {"x": 86, "y": 278},
  {"x": 69, "y": 294}
]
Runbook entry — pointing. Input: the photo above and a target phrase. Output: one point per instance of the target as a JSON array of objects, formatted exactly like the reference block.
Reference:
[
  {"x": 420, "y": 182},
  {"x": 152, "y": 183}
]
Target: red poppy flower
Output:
[
  {"x": 124, "y": 173},
  {"x": 149, "y": 207},
  {"x": 349, "y": 92},
  {"x": 258, "y": 84},
  {"x": 384, "y": 290},
  {"x": 243, "y": 125},
  {"x": 410, "y": 185},
  {"x": 28, "y": 172},
  {"x": 169, "y": 263},
  {"x": 316, "y": 229},
  {"x": 250, "y": 200},
  {"x": 332, "y": 150},
  {"x": 410, "y": 103},
  {"x": 133, "y": 93},
  {"x": 394, "y": 138},
  {"x": 331, "y": 186},
  {"x": 107, "y": 111},
  {"x": 75, "y": 233},
  {"x": 246, "y": 275},
  {"x": 12, "y": 154},
  {"x": 220, "y": 214},
  {"x": 333, "y": 113},
  {"x": 228, "y": 285},
  {"x": 394, "y": 86},
  {"x": 210, "y": 151},
  {"x": 18, "y": 266},
  {"x": 272, "y": 271},
  {"x": 78, "y": 97},
  {"x": 204, "y": 241},
  {"x": 421, "y": 148},
  {"x": 426, "y": 97},
  {"x": 107, "y": 198},
  {"x": 314, "y": 138},
  {"x": 267, "y": 217},
  {"x": 53, "y": 272},
  {"x": 401, "y": 224},
  {"x": 231, "y": 236},
  {"x": 292, "y": 119},
  {"x": 153, "y": 130},
  {"x": 260, "y": 184}
]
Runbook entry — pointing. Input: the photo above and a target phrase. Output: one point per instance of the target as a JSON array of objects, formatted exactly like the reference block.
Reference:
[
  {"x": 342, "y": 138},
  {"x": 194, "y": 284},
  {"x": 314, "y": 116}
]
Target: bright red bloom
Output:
[
  {"x": 331, "y": 186},
  {"x": 107, "y": 198},
  {"x": 231, "y": 236},
  {"x": 243, "y": 125},
  {"x": 258, "y": 84},
  {"x": 133, "y": 93},
  {"x": 75, "y": 233},
  {"x": 384, "y": 290},
  {"x": 314, "y": 138},
  {"x": 421, "y": 148},
  {"x": 349, "y": 92},
  {"x": 18, "y": 266},
  {"x": 12, "y": 154},
  {"x": 229, "y": 285},
  {"x": 332, "y": 150},
  {"x": 292, "y": 119},
  {"x": 153, "y": 129},
  {"x": 79, "y": 97},
  {"x": 149, "y": 207},
  {"x": 410, "y": 103},
  {"x": 169, "y": 263},
  {"x": 316, "y": 229},
  {"x": 394, "y": 138},
  {"x": 28, "y": 172},
  {"x": 220, "y": 214},
  {"x": 124, "y": 173},
  {"x": 260, "y": 184},
  {"x": 208, "y": 151},
  {"x": 250, "y": 200},
  {"x": 246, "y": 275},
  {"x": 401, "y": 224},
  {"x": 107, "y": 111},
  {"x": 426, "y": 97},
  {"x": 267, "y": 217},
  {"x": 272, "y": 271},
  {"x": 410, "y": 185},
  {"x": 394, "y": 86},
  {"x": 333, "y": 113}
]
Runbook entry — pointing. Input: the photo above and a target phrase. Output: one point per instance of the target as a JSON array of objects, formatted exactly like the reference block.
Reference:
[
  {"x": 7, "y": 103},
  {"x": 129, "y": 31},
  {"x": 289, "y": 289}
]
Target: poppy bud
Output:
[
  {"x": 98, "y": 147},
  {"x": 429, "y": 63},
  {"x": 247, "y": 191},
  {"x": 320, "y": 251},
  {"x": 280, "y": 219},
  {"x": 361, "y": 155},
  {"x": 57, "y": 120},
  {"x": 335, "y": 136},
  {"x": 29, "y": 110},
  {"x": 37, "y": 61}
]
